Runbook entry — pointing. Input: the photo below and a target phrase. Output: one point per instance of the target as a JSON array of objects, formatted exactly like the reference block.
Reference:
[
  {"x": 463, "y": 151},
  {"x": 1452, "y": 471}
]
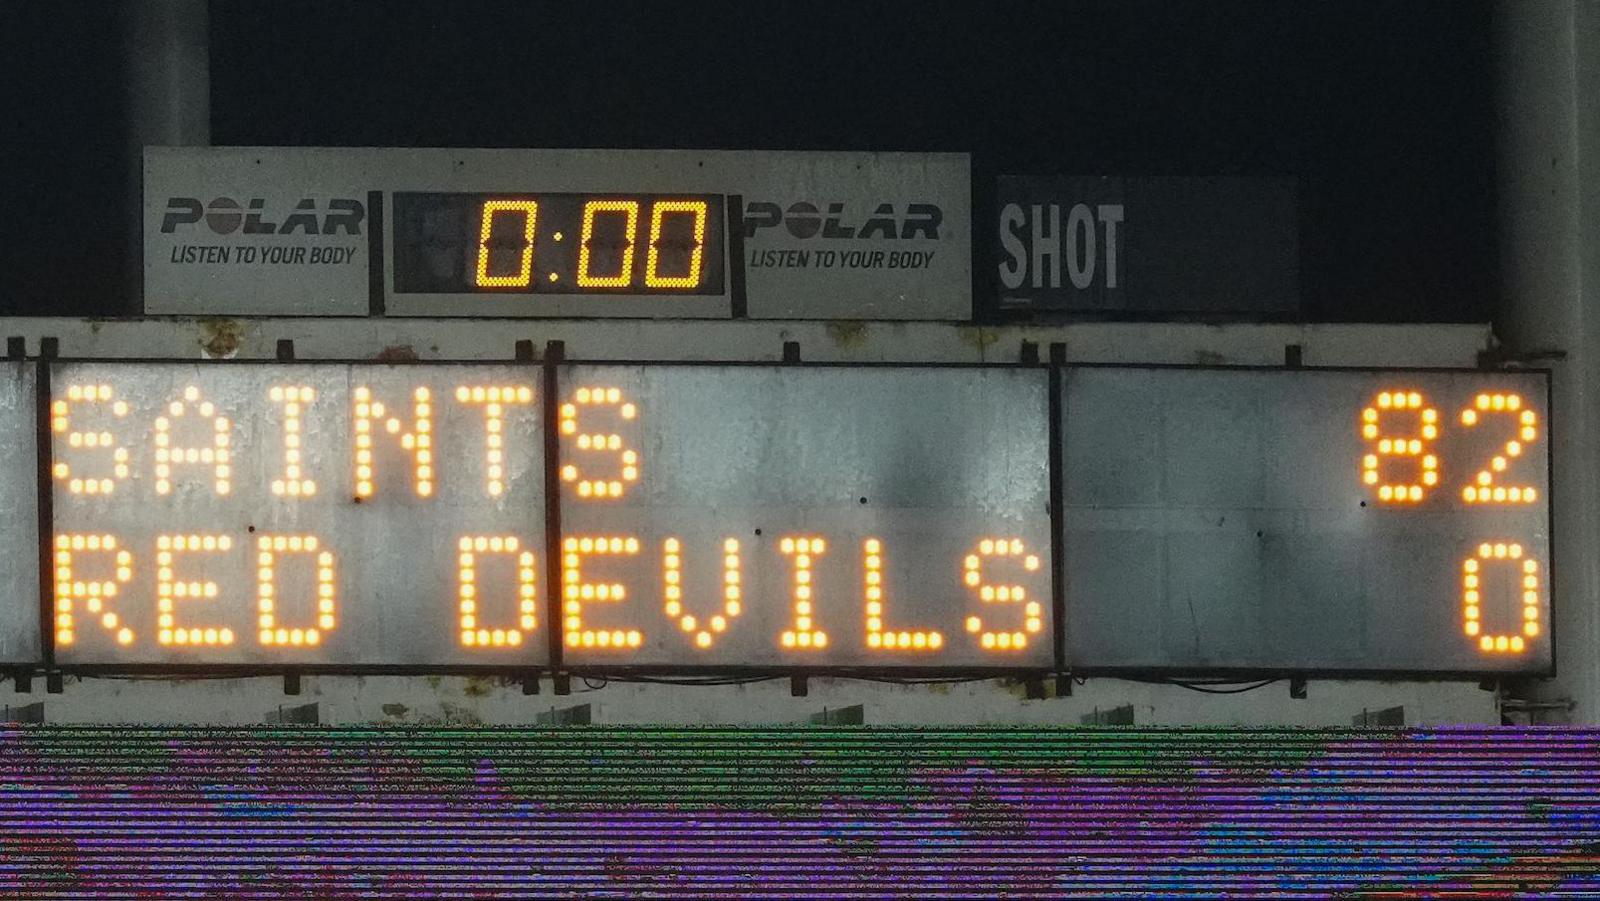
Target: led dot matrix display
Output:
[
  {"x": 1332, "y": 520},
  {"x": 310, "y": 513},
  {"x": 804, "y": 517},
  {"x": 764, "y": 516}
]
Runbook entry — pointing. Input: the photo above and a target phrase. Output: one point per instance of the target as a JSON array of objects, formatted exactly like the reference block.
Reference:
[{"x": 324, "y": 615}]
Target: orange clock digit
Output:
[
  {"x": 652, "y": 270},
  {"x": 524, "y": 274},
  {"x": 630, "y": 228}
]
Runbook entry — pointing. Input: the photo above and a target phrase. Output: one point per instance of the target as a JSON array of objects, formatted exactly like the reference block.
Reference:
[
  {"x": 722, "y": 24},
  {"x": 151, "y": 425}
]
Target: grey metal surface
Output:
[
  {"x": 396, "y": 553},
  {"x": 1220, "y": 519},
  {"x": 19, "y": 541},
  {"x": 929, "y": 462}
]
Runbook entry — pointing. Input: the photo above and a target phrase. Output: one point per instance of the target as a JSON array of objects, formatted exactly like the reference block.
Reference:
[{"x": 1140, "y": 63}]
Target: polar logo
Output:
[
  {"x": 805, "y": 220},
  {"x": 225, "y": 216}
]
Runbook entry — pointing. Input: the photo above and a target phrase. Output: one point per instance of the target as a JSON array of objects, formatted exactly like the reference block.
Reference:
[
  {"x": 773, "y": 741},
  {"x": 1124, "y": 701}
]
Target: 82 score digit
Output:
[{"x": 1490, "y": 482}]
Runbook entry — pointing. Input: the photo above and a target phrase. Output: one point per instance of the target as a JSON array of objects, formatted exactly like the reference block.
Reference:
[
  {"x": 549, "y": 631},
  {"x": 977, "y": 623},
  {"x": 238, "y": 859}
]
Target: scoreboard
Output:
[
  {"x": 483, "y": 243},
  {"x": 257, "y": 231},
  {"x": 595, "y": 516}
]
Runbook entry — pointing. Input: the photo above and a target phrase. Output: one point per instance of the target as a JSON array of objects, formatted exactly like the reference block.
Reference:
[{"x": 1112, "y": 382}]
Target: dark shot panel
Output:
[{"x": 508, "y": 243}]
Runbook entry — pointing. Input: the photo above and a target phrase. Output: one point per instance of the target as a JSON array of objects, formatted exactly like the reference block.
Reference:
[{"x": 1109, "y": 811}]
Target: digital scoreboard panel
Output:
[
  {"x": 672, "y": 234},
  {"x": 806, "y": 516},
  {"x": 1316, "y": 520},
  {"x": 716, "y": 517},
  {"x": 310, "y": 513},
  {"x": 558, "y": 244}
]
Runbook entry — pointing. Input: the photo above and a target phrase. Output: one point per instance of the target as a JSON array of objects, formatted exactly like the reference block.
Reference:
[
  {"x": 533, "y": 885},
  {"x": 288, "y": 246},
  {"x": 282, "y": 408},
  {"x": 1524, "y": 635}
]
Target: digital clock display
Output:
[{"x": 548, "y": 243}]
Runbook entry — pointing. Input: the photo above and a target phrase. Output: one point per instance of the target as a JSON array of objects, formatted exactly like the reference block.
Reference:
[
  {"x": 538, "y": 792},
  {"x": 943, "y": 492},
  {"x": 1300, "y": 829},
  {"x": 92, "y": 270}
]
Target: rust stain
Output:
[
  {"x": 397, "y": 353},
  {"x": 220, "y": 338},
  {"x": 978, "y": 337},
  {"x": 847, "y": 335}
]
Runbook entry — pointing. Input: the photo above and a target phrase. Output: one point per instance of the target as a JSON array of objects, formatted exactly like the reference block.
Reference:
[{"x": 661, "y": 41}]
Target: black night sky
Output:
[{"x": 1381, "y": 110}]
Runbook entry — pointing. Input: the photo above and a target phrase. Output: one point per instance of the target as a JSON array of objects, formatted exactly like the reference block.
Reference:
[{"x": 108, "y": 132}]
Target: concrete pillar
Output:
[
  {"x": 1548, "y": 147},
  {"x": 167, "y": 77}
]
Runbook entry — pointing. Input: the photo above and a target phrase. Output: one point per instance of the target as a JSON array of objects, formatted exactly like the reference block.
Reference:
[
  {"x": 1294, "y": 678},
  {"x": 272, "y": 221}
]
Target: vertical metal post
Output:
[
  {"x": 1547, "y": 59},
  {"x": 166, "y": 58}
]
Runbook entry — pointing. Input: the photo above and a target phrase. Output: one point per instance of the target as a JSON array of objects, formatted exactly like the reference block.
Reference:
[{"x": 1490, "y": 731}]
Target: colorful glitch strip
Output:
[{"x": 796, "y": 813}]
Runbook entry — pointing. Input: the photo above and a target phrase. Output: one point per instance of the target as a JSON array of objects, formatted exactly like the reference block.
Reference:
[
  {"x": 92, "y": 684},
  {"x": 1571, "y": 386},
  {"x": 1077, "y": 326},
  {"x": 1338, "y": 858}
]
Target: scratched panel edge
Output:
[{"x": 24, "y": 601}]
